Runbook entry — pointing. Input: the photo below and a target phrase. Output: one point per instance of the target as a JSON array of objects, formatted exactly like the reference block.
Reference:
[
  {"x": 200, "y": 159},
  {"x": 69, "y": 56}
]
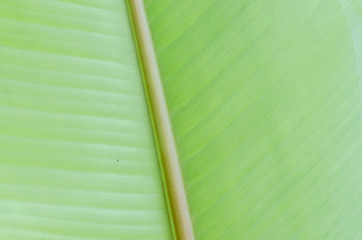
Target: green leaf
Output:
[
  {"x": 265, "y": 104},
  {"x": 265, "y": 101},
  {"x": 77, "y": 157}
]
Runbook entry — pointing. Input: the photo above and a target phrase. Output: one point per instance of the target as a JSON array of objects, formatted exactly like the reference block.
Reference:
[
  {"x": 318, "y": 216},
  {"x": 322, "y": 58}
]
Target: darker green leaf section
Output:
[{"x": 265, "y": 103}]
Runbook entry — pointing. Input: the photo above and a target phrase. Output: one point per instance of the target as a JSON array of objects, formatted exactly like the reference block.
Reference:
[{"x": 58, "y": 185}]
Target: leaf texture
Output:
[
  {"x": 353, "y": 10},
  {"x": 265, "y": 104},
  {"x": 77, "y": 157}
]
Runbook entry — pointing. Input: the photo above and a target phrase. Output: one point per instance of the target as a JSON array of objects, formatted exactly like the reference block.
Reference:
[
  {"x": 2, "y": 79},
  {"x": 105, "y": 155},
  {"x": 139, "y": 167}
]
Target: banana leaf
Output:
[
  {"x": 77, "y": 155},
  {"x": 265, "y": 102}
]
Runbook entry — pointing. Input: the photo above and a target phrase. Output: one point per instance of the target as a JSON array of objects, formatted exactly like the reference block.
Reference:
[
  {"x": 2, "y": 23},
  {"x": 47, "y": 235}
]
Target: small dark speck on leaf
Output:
[{"x": 117, "y": 160}]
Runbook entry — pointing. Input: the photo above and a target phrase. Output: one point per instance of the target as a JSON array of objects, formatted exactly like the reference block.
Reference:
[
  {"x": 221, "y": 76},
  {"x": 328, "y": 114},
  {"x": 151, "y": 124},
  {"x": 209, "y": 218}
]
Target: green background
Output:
[{"x": 264, "y": 98}]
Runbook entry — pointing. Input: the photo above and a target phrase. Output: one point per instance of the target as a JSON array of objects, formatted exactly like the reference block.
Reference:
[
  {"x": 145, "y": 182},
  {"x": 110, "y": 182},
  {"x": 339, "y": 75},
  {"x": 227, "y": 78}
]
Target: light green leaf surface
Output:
[
  {"x": 265, "y": 103},
  {"x": 77, "y": 157}
]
